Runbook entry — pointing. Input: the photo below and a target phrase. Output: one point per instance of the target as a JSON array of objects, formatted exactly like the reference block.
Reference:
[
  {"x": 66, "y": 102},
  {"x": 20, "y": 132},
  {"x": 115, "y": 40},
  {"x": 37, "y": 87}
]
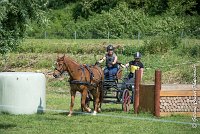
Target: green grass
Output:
[
  {"x": 59, "y": 123},
  {"x": 40, "y": 55},
  {"x": 71, "y": 46},
  {"x": 111, "y": 120}
]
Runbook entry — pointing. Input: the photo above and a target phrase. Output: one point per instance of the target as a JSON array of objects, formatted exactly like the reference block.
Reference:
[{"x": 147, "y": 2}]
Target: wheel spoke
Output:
[{"x": 126, "y": 101}]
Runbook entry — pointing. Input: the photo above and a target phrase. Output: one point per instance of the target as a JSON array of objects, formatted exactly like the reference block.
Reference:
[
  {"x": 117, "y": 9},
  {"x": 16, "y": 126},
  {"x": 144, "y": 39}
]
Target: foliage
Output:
[
  {"x": 182, "y": 7},
  {"x": 56, "y": 4},
  {"x": 130, "y": 50},
  {"x": 86, "y": 8},
  {"x": 94, "y": 19},
  {"x": 161, "y": 44},
  {"x": 41, "y": 54},
  {"x": 14, "y": 19},
  {"x": 190, "y": 50}
]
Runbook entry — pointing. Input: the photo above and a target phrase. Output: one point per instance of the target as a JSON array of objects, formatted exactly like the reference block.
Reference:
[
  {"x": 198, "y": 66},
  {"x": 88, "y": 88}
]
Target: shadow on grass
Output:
[
  {"x": 112, "y": 110},
  {"x": 79, "y": 112},
  {"x": 50, "y": 118},
  {"x": 75, "y": 113},
  {"x": 7, "y": 126}
]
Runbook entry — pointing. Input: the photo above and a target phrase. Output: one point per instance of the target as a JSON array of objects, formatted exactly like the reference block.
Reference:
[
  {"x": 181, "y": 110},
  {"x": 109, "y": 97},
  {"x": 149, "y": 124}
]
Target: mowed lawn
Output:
[{"x": 111, "y": 120}]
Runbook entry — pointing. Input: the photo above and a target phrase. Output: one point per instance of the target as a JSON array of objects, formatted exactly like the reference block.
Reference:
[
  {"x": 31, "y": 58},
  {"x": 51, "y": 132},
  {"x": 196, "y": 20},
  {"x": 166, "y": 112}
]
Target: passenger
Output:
[
  {"x": 111, "y": 63},
  {"x": 134, "y": 65}
]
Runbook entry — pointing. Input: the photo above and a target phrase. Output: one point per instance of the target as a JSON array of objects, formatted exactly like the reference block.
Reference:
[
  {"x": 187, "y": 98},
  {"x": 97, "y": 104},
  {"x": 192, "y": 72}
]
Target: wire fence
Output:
[{"x": 106, "y": 35}]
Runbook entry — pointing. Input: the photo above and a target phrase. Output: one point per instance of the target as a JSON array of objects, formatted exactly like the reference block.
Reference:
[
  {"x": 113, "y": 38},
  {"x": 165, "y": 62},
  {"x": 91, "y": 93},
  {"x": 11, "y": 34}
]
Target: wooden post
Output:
[
  {"x": 137, "y": 86},
  {"x": 157, "y": 93}
]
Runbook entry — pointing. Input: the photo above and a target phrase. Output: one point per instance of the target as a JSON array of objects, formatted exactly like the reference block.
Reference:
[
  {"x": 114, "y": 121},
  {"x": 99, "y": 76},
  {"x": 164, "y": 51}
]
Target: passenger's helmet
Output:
[
  {"x": 137, "y": 55},
  {"x": 110, "y": 48}
]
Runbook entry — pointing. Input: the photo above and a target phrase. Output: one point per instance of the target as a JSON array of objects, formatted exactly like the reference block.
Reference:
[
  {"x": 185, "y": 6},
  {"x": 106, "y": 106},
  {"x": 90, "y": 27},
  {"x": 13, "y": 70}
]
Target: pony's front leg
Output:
[
  {"x": 73, "y": 93},
  {"x": 83, "y": 98}
]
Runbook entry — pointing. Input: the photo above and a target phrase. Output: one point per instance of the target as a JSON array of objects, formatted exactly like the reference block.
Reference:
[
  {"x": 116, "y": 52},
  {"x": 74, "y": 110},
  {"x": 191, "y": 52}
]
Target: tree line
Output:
[{"x": 122, "y": 18}]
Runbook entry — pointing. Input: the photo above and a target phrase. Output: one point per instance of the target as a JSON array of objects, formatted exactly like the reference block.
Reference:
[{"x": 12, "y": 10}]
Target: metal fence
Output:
[{"x": 107, "y": 35}]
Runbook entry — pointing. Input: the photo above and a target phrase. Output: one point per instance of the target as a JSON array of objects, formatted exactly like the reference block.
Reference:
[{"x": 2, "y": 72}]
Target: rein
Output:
[{"x": 61, "y": 72}]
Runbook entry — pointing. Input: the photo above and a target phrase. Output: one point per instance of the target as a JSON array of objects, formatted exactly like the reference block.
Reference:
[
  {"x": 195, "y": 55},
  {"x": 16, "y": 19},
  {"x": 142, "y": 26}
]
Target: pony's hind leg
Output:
[
  {"x": 83, "y": 98},
  {"x": 101, "y": 94},
  {"x": 96, "y": 99},
  {"x": 100, "y": 101},
  {"x": 73, "y": 93}
]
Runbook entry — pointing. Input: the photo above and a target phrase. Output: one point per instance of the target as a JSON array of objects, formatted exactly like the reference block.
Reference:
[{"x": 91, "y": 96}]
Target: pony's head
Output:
[{"x": 60, "y": 66}]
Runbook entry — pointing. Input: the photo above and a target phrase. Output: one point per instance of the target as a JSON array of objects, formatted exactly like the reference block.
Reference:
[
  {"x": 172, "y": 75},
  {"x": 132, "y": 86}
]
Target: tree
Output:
[
  {"x": 182, "y": 7},
  {"x": 15, "y": 17},
  {"x": 57, "y": 4},
  {"x": 86, "y": 8}
]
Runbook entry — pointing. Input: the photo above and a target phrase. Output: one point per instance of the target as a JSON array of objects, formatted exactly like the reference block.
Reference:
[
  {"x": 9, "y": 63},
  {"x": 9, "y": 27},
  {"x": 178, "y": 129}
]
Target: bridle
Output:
[{"x": 61, "y": 71}]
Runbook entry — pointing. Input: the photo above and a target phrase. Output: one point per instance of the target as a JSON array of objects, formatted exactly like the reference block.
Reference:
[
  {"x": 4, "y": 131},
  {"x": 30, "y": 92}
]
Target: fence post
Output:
[
  {"x": 108, "y": 36},
  {"x": 157, "y": 93},
  {"x": 137, "y": 86},
  {"x": 182, "y": 34},
  {"x": 138, "y": 38},
  {"x": 45, "y": 34},
  {"x": 75, "y": 35}
]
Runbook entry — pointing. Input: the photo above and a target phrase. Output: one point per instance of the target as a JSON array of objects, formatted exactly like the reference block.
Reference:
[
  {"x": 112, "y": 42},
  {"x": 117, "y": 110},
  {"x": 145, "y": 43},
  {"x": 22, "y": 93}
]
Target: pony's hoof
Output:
[
  {"x": 89, "y": 110},
  {"x": 99, "y": 110},
  {"x": 69, "y": 115},
  {"x": 94, "y": 113}
]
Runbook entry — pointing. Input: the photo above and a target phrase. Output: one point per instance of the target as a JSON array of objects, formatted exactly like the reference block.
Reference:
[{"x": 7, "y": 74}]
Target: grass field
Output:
[
  {"x": 40, "y": 55},
  {"x": 111, "y": 120}
]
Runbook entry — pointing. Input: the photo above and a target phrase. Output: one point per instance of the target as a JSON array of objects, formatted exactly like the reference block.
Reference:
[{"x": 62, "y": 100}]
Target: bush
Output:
[
  {"x": 191, "y": 50},
  {"x": 130, "y": 50},
  {"x": 194, "y": 51},
  {"x": 160, "y": 44}
]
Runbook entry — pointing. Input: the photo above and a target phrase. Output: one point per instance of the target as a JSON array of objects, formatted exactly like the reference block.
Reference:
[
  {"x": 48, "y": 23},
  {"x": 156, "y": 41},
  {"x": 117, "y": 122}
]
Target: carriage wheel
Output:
[{"x": 126, "y": 100}]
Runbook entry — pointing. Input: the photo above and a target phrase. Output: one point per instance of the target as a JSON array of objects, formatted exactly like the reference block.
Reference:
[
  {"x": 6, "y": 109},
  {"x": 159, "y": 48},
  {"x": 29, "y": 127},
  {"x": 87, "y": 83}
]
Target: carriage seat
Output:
[
  {"x": 119, "y": 74},
  {"x": 116, "y": 76}
]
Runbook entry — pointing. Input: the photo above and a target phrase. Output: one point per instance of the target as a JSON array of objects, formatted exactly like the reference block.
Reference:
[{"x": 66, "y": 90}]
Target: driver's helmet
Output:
[
  {"x": 137, "y": 55},
  {"x": 110, "y": 48}
]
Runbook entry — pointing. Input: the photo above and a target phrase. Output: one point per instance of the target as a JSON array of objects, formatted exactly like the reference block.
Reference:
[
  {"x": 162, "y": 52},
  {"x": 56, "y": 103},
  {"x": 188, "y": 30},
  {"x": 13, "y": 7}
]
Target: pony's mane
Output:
[{"x": 74, "y": 61}]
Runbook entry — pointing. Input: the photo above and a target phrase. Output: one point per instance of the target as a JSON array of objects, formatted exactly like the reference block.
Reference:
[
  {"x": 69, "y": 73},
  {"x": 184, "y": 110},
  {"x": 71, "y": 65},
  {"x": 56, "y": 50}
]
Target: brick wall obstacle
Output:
[
  {"x": 178, "y": 99},
  {"x": 164, "y": 100}
]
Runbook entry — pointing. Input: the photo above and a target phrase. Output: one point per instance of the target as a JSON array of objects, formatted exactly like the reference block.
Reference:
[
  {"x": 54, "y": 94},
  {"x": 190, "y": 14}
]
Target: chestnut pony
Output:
[{"x": 82, "y": 79}]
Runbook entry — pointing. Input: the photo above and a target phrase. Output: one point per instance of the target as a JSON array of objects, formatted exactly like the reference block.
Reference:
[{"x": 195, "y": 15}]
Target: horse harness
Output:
[{"x": 82, "y": 67}]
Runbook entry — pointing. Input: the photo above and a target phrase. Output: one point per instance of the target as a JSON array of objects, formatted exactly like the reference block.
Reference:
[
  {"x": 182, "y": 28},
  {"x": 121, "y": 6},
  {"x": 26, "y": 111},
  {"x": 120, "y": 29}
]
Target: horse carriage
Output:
[
  {"x": 90, "y": 82},
  {"x": 118, "y": 90}
]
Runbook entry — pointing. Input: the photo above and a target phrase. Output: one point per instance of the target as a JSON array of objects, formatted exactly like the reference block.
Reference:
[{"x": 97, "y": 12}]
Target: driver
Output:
[{"x": 111, "y": 63}]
